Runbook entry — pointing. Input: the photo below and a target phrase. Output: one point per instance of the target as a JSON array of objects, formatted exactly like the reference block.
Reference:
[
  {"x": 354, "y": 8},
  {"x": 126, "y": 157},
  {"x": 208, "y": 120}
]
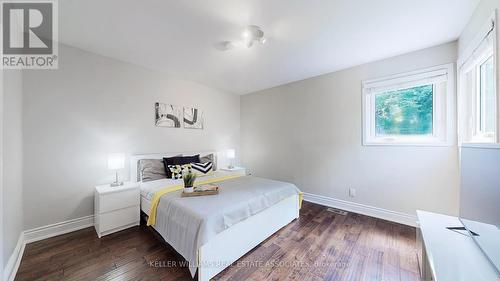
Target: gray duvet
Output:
[{"x": 187, "y": 223}]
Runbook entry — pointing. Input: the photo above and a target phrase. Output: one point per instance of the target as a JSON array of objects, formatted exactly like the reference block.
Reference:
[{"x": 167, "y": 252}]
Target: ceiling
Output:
[{"x": 304, "y": 38}]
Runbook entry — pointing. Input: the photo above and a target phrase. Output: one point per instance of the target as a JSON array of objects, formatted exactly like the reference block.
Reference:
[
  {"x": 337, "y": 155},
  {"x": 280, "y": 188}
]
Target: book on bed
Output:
[{"x": 200, "y": 190}]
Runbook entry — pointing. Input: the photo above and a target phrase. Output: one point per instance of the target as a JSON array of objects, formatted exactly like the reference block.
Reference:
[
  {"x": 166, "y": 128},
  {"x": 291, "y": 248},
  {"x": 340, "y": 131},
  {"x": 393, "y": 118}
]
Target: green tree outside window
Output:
[{"x": 404, "y": 112}]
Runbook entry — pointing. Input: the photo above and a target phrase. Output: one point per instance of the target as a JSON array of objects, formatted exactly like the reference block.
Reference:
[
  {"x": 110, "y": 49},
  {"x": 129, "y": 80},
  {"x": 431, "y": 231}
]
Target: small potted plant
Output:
[{"x": 189, "y": 179}]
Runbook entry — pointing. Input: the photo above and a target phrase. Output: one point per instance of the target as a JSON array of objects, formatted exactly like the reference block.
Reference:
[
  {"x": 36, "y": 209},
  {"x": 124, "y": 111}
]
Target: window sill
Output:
[
  {"x": 421, "y": 143},
  {"x": 480, "y": 145},
  {"x": 410, "y": 144}
]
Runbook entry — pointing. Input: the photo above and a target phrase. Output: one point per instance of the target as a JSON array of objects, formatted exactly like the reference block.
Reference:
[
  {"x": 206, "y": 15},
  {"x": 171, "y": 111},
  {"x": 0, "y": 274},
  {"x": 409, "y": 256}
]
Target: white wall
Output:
[
  {"x": 93, "y": 105},
  {"x": 309, "y": 133},
  {"x": 12, "y": 168}
]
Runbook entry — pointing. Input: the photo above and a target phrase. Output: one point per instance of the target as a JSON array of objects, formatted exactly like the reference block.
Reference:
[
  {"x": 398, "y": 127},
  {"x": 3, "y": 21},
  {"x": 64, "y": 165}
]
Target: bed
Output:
[{"x": 212, "y": 232}]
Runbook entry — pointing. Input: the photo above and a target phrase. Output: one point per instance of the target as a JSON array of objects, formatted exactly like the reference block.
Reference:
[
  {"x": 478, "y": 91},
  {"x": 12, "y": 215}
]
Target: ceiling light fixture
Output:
[{"x": 251, "y": 35}]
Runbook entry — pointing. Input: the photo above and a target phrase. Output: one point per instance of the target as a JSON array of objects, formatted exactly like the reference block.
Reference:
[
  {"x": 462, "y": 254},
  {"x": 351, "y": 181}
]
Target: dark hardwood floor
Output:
[{"x": 320, "y": 245}]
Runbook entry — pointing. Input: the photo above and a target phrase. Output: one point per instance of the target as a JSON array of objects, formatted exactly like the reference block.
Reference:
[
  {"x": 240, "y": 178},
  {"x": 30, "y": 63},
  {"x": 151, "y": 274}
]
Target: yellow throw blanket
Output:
[{"x": 168, "y": 189}]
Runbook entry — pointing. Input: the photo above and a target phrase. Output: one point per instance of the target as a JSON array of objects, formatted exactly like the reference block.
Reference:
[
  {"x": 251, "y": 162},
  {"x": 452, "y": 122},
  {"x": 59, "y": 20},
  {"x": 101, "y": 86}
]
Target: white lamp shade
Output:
[
  {"x": 116, "y": 161},
  {"x": 231, "y": 154}
]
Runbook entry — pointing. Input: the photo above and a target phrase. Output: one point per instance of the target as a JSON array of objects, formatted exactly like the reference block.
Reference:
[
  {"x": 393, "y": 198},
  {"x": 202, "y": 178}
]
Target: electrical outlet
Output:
[{"x": 352, "y": 192}]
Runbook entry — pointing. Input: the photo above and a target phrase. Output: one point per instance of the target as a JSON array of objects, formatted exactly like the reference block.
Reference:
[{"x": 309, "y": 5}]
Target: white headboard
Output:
[{"x": 134, "y": 159}]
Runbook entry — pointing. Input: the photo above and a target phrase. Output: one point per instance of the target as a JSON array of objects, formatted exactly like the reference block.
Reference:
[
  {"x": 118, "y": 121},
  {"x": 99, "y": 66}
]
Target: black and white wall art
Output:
[
  {"x": 193, "y": 118},
  {"x": 168, "y": 115}
]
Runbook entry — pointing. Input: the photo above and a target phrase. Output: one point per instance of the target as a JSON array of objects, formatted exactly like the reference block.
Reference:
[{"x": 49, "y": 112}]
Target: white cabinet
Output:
[
  {"x": 116, "y": 208},
  {"x": 450, "y": 255}
]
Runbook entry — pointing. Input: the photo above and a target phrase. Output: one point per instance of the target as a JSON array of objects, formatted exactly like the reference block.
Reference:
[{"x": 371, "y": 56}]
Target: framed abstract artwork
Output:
[
  {"x": 193, "y": 118},
  {"x": 168, "y": 115}
]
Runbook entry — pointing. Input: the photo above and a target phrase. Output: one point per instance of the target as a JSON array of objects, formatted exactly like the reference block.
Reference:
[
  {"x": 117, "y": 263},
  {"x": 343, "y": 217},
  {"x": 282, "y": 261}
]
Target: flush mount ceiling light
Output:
[{"x": 251, "y": 35}]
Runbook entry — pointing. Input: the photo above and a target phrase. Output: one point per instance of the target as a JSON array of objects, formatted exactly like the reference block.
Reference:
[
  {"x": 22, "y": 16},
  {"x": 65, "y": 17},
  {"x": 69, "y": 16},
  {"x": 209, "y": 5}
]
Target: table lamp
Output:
[
  {"x": 116, "y": 161},
  {"x": 231, "y": 154}
]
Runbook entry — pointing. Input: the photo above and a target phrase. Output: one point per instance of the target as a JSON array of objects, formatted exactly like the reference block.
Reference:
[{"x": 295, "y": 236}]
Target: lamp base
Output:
[{"x": 116, "y": 183}]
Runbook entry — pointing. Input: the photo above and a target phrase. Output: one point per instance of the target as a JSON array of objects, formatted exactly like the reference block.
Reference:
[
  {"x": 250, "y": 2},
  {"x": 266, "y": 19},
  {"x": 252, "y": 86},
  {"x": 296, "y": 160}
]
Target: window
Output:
[
  {"x": 486, "y": 99},
  {"x": 409, "y": 109},
  {"x": 477, "y": 91},
  {"x": 404, "y": 112}
]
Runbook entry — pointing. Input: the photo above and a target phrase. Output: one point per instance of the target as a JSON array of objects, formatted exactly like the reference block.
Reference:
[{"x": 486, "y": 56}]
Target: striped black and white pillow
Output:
[{"x": 202, "y": 169}]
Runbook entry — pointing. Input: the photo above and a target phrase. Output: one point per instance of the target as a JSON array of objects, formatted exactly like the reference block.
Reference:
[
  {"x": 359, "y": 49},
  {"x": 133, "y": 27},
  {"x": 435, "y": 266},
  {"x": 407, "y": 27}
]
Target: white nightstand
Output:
[
  {"x": 116, "y": 208},
  {"x": 235, "y": 170}
]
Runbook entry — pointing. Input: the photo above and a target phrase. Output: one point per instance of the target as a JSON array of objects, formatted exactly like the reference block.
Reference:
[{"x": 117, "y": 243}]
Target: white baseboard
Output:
[
  {"x": 371, "y": 211},
  {"x": 40, "y": 233},
  {"x": 51, "y": 230},
  {"x": 14, "y": 261}
]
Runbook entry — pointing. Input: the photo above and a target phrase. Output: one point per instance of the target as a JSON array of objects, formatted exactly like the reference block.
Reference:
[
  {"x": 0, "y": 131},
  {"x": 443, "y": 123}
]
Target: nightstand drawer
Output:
[
  {"x": 118, "y": 200},
  {"x": 118, "y": 218}
]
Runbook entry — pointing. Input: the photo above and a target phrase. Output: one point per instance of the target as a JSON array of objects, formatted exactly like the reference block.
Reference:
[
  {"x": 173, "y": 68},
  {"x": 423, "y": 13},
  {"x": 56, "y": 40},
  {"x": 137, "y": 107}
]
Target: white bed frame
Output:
[{"x": 234, "y": 242}]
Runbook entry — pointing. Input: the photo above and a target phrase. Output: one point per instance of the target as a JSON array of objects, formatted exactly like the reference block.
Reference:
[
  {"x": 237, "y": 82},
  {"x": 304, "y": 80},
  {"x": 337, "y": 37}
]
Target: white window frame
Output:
[
  {"x": 468, "y": 108},
  {"x": 480, "y": 133},
  {"x": 443, "y": 106}
]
